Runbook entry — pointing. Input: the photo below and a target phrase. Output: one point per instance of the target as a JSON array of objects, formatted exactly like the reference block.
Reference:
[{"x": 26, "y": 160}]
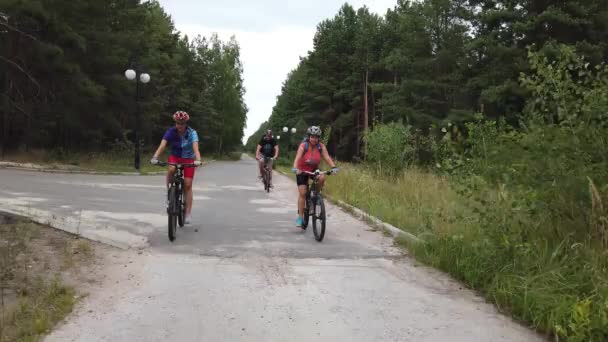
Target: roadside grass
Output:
[
  {"x": 114, "y": 161},
  {"x": 554, "y": 283},
  {"x": 403, "y": 201},
  {"x": 33, "y": 294}
]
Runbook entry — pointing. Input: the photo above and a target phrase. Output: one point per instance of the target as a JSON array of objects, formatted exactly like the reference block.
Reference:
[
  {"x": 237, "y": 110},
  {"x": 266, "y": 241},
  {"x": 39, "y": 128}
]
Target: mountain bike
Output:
[
  {"x": 314, "y": 206},
  {"x": 267, "y": 173},
  {"x": 176, "y": 204}
]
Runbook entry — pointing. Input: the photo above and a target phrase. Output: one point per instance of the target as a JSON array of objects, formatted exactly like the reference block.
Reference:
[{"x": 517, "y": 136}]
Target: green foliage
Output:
[
  {"x": 538, "y": 243},
  {"x": 64, "y": 85},
  {"x": 432, "y": 62},
  {"x": 389, "y": 147},
  {"x": 533, "y": 233},
  {"x": 530, "y": 167},
  {"x": 567, "y": 89}
]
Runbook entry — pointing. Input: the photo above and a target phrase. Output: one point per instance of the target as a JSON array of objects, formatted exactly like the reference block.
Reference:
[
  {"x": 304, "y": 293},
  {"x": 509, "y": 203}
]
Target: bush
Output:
[
  {"x": 539, "y": 244},
  {"x": 389, "y": 147}
]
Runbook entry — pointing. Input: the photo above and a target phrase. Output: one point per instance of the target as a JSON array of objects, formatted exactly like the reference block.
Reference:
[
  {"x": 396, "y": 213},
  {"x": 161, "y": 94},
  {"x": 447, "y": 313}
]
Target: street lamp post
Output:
[
  {"x": 139, "y": 76},
  {"x": 286, "y": 130}
]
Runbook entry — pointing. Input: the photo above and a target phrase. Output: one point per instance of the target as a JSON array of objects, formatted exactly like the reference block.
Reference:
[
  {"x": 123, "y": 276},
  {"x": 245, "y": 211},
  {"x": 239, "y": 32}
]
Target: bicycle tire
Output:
[
  {"x": 181, "y": 217},
  {"x": 269, "y": 172},
  {"x": 172, "y": 213},
  {"x": 306, "y": 213},
  {"x": 264, "y": 177},
  {"x": 318, "y": 228}
]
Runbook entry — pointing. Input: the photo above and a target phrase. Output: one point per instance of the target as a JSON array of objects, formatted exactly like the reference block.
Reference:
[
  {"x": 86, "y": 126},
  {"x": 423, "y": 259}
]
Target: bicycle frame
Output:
[
  {"x": 175, "y": 198},
  {"x": 315, "y": 179},
  {"x": 266, "y": 161},
  {"x": 314, "y": 198},
  {"x": 178, "y": 176}
]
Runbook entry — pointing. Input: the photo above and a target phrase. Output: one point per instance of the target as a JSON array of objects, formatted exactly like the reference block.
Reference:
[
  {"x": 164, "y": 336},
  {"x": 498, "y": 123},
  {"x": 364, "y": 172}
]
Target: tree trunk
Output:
[
  {"x": 365, "y": 113},
  {"x": 358, "y": 131},
  {"x": 220, "y": 138},
  {"x": 28, "y": 135},
  {"x": 6, "y": 104},
  {"x": 374, "y": 118},
  {"x": 5, "y": 110}
]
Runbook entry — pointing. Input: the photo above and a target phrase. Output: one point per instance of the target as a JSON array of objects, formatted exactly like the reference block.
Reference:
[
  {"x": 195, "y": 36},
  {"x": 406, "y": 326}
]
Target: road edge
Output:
[
  {"x": 37, "y": 168},
  {"x": 364, "y": 216}
]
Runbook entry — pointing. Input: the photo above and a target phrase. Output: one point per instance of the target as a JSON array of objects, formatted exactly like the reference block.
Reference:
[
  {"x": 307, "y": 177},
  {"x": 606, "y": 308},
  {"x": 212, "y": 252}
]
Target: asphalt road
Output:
[{"x": 242, "y": 271}]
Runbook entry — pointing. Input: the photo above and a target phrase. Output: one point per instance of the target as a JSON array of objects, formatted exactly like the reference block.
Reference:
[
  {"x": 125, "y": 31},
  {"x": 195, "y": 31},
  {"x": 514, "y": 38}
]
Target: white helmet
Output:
[{"x": 314, "y": 130}]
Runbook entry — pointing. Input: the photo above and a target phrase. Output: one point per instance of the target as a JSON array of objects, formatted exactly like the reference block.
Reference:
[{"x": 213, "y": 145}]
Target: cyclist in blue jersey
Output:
[{"x": 184, "y": 150}]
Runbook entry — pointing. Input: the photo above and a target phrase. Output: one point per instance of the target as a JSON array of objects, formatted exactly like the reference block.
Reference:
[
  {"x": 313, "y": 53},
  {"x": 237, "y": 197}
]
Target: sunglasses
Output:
[{"x": 180, "y": 123}]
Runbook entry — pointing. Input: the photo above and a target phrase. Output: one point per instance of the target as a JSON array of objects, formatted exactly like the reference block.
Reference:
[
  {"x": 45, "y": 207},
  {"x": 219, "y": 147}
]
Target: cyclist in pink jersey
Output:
[{"x": 308, "y": 158}]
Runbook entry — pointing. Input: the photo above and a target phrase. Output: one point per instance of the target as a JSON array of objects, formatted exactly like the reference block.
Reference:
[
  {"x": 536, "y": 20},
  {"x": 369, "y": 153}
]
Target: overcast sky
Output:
[{"x": 272, "y": 35}]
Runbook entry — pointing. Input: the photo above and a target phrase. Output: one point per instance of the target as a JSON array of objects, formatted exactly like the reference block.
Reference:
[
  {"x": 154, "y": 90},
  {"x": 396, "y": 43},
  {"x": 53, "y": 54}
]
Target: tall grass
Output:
[
  {"x": 524, "y": 263},
  {"x": 402, "y": 200},
  {"x": 519, "y": 259}
]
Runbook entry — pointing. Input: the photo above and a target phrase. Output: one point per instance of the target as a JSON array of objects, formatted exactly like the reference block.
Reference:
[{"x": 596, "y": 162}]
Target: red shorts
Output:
[{"x": 188, "y": 171}]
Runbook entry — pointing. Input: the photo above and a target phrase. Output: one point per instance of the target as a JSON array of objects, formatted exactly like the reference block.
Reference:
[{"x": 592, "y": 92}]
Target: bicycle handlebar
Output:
[
  {"x": 318, "y": 172},
  {"x": 178, "y": 165}
]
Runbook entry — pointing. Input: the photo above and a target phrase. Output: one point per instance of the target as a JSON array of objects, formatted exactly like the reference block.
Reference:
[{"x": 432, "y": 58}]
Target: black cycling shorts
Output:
[{"x": 302, "y": 179}]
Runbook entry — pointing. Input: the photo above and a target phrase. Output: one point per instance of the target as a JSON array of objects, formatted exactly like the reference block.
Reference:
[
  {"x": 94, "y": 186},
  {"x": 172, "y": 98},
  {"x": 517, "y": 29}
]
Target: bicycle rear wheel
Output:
[
  {"x": 172, "y": 212},
  {"x": 318, "y": 218},
  {"x": 306, "y": 213},
  {"x": 264, "y": 178}
]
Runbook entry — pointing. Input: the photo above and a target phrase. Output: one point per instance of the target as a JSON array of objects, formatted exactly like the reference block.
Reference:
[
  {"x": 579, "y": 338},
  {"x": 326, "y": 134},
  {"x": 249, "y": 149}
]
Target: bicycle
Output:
[
  {"x": 267, "y": 174},
  {"x": 314, "y": 206},
  {"x": 176, "y": 205}
]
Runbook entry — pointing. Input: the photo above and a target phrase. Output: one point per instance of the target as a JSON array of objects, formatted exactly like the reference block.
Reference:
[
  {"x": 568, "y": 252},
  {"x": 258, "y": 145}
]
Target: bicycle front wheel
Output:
[
  {"x": 266, "y": 181},
  {"x": 173, "y": 212},
  {"x": 181, "y": 205},
  {"x": 318, "y": 218}
]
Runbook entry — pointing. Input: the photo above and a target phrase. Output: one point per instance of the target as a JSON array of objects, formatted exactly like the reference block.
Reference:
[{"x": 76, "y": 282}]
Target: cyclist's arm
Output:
[
  {"x": 197, "y": 153},
  {"x": 257, "y": 151},
  {"x": 328, "y": 158},
  {"x": 276, "y": 151},
  {"x": 160, "y": 149},
  {"x": 299, "y": 154}
]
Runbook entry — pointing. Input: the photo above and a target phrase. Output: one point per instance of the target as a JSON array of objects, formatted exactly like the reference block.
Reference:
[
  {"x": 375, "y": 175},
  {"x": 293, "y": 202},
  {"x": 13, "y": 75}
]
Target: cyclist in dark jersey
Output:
[{"x": 267, "y": 147}]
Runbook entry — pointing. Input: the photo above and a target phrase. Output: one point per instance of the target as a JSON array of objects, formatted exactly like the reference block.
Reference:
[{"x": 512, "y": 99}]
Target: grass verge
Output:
[
  {"x": 111, "y": 162},
  {"x": 34, "y": 290},
  {"x": 403, "y": 201},
  {"x": 519, "y": 260}
]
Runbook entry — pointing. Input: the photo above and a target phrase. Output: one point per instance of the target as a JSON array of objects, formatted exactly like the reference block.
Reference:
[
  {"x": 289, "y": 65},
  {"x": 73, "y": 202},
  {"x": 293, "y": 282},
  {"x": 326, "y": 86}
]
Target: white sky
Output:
[{"x": 272, "y": 35}]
